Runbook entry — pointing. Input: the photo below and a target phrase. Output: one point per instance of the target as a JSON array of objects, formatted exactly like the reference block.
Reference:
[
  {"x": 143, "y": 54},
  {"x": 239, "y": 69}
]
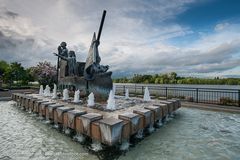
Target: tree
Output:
[
  {"x": 45, "y": 73},
  {"x": 3, "y": 67},
  {"x": 15, "y": 72}
]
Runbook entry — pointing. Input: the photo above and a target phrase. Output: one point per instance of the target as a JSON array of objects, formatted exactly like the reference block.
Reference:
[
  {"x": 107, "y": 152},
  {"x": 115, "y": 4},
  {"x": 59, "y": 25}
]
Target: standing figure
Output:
[
  {"x": 71, "y": 63},
  {"x": 62, "y": 64}
]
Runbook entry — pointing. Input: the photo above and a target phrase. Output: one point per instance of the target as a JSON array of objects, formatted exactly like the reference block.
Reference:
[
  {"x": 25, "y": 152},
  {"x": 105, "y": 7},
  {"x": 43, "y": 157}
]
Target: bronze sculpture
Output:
[{"x": 89, "y": 76}]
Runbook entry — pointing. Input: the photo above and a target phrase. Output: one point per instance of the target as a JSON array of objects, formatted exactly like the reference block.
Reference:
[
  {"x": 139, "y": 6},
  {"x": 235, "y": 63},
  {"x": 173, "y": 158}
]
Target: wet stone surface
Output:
[{"x": 191, "y": 134}]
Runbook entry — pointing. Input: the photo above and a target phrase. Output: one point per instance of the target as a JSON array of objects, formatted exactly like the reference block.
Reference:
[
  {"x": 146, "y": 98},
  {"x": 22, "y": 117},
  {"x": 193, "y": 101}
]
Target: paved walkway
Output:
[
  {"x": 6, "y": 95},
  {"x": 213, "y": 107}
]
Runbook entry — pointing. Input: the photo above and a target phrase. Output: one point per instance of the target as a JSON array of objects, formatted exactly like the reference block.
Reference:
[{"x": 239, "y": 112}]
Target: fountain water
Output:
[
  {"x": 79, "y": 138},
  {"x": 41, "y": 90},
  {"x": 90, "y": 100},
  {"x": 54, "y": 92},
  {"x": 151, "y": 129},
  {"x": 124, "y": 146},
  {"x": 111, "y": 101},
  {"x": 65, "y": 94},
  {"x": 146, "y": 97},
  {"x": 126, "y": 94},
  {"x": 47, "y": 91},
  {"x": 96, "y": 146},
  {"x": 77, "y": 97},
  {"x": 114, "y": 90}
]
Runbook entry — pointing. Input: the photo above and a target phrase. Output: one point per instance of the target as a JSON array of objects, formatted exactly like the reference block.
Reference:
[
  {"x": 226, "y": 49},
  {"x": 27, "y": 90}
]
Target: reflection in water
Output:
[{"x": 192, "y": 134}]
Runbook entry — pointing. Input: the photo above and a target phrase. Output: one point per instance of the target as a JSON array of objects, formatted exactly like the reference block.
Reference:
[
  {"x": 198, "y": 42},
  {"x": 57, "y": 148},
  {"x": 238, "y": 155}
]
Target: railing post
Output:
[
  {"x": 238, "y": 98},
  {"x": 197, "y": 95},
  {"x": 124, "y": 89},
  {"x": 166, "y": 93},
  {"x": 142, "y": 90}
]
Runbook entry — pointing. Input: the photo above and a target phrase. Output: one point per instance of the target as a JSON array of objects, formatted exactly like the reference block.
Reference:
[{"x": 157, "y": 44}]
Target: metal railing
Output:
[{"x": 198, "y": 95}]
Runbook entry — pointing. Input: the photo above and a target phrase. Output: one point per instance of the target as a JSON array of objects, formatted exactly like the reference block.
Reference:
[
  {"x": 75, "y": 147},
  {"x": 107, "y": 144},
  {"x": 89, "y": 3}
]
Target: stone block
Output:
[
  {"x": 42, "y": 108},
  {"x": 50, "y": 110},
  {"x": 156, "y": 112},
  {"x": 95, "y": 131},
  {"x": 175, "y": 104},
  {"x": 37, "y": 105},
  {"x": 164, "y": 109},
  {"x": 58, "y": 114},
  {"x": 83, "y": 124},
  {"x": 13, "y": 96},
  {"x": 169, "y": 104},
  {"x": 23, "y": 99},
  {"x": 148, "y": 116},
  {"x": 69, "y": 119},
  {"x": 177, "y": 101},
  {"x": 31, "y": 103},
  {"x": 133, "y": 119},
  {"x": 126, "y": 130},
  {"x": 111, "y": 130},
  {"x": 27, "y": 101}
]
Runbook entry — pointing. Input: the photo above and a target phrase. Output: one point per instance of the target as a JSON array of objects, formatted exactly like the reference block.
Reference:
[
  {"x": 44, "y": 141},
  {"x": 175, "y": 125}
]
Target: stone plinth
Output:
[
  {"x": 23, "y": 103},
  {"x": 177, "y": 103},
  {"x": 83, "y": 122},
  {"x": 27, "y": 102},
  {"x": 164, "y": 109},
  {"x": 157, "y": 112},
  {"x": 148, "y": 116},
  {"x": 169, "y": 104},
  {"x": 50, "y": 110},
  {"x": 133, "y": 119},
  {"x": 95, "y": 131},
  {"x": 126, "y": 131},
  {"x": 58, "y": 114},
  {"x": 69, "y": 119},
  {"x": 13, "y": 95},
  {"x": 31, "y": 103},
  {"x": 37, "y": 105},
  {"x": 111, "y": 130},
  {"x": 42, "y": 108}
]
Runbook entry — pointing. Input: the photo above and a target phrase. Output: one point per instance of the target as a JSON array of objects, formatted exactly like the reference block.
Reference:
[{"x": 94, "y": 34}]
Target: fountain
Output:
[
  {"x": 146, "y": 97},
  {"x": 126, "y": 94},
  {"x": 111, "y": 101},
  {"x": 114, "y": 89},
  {"x": 90, "y": 100},
  {"x": 54, "y": 92},
  {"x": 41, "y": 90},
  {"x": 46, "y": 91},
  {"x": 65, "y": 95},
  {"x": 128, "y": 117},
  {"x": 96, "y": 146},
  {"x": 77, "y": 97}
]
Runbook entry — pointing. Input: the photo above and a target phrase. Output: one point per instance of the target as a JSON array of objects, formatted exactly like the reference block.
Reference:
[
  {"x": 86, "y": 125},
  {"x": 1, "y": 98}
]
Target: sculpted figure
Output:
[
  {"x": 71, "y": 63},
  {"x": 62, "y": 49},
  {"x": 93, "y": 66}
]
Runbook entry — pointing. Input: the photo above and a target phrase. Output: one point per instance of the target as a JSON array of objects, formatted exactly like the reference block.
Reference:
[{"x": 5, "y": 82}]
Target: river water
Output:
[
  {"x": 192, "y": 134},
  {"x": 186, "y": 85}
]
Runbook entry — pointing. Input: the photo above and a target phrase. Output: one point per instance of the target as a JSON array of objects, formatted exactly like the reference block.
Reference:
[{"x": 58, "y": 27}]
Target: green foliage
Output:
[
  {"x": 15, "y": 72},
  {"x": 3, "y": 67},
  {"x": 172, "y": 78}
]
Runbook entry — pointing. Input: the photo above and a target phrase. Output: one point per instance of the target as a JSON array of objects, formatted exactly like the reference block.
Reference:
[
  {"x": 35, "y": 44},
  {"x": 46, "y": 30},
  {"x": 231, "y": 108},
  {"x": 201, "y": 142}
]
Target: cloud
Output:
[
  {"x": 134, "y": 38},
  {"x": 221, "y": 26}
]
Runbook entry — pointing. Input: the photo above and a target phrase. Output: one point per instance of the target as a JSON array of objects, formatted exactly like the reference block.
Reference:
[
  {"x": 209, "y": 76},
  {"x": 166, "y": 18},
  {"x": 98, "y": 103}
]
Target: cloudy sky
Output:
[{"x": 190, "y": 37}]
